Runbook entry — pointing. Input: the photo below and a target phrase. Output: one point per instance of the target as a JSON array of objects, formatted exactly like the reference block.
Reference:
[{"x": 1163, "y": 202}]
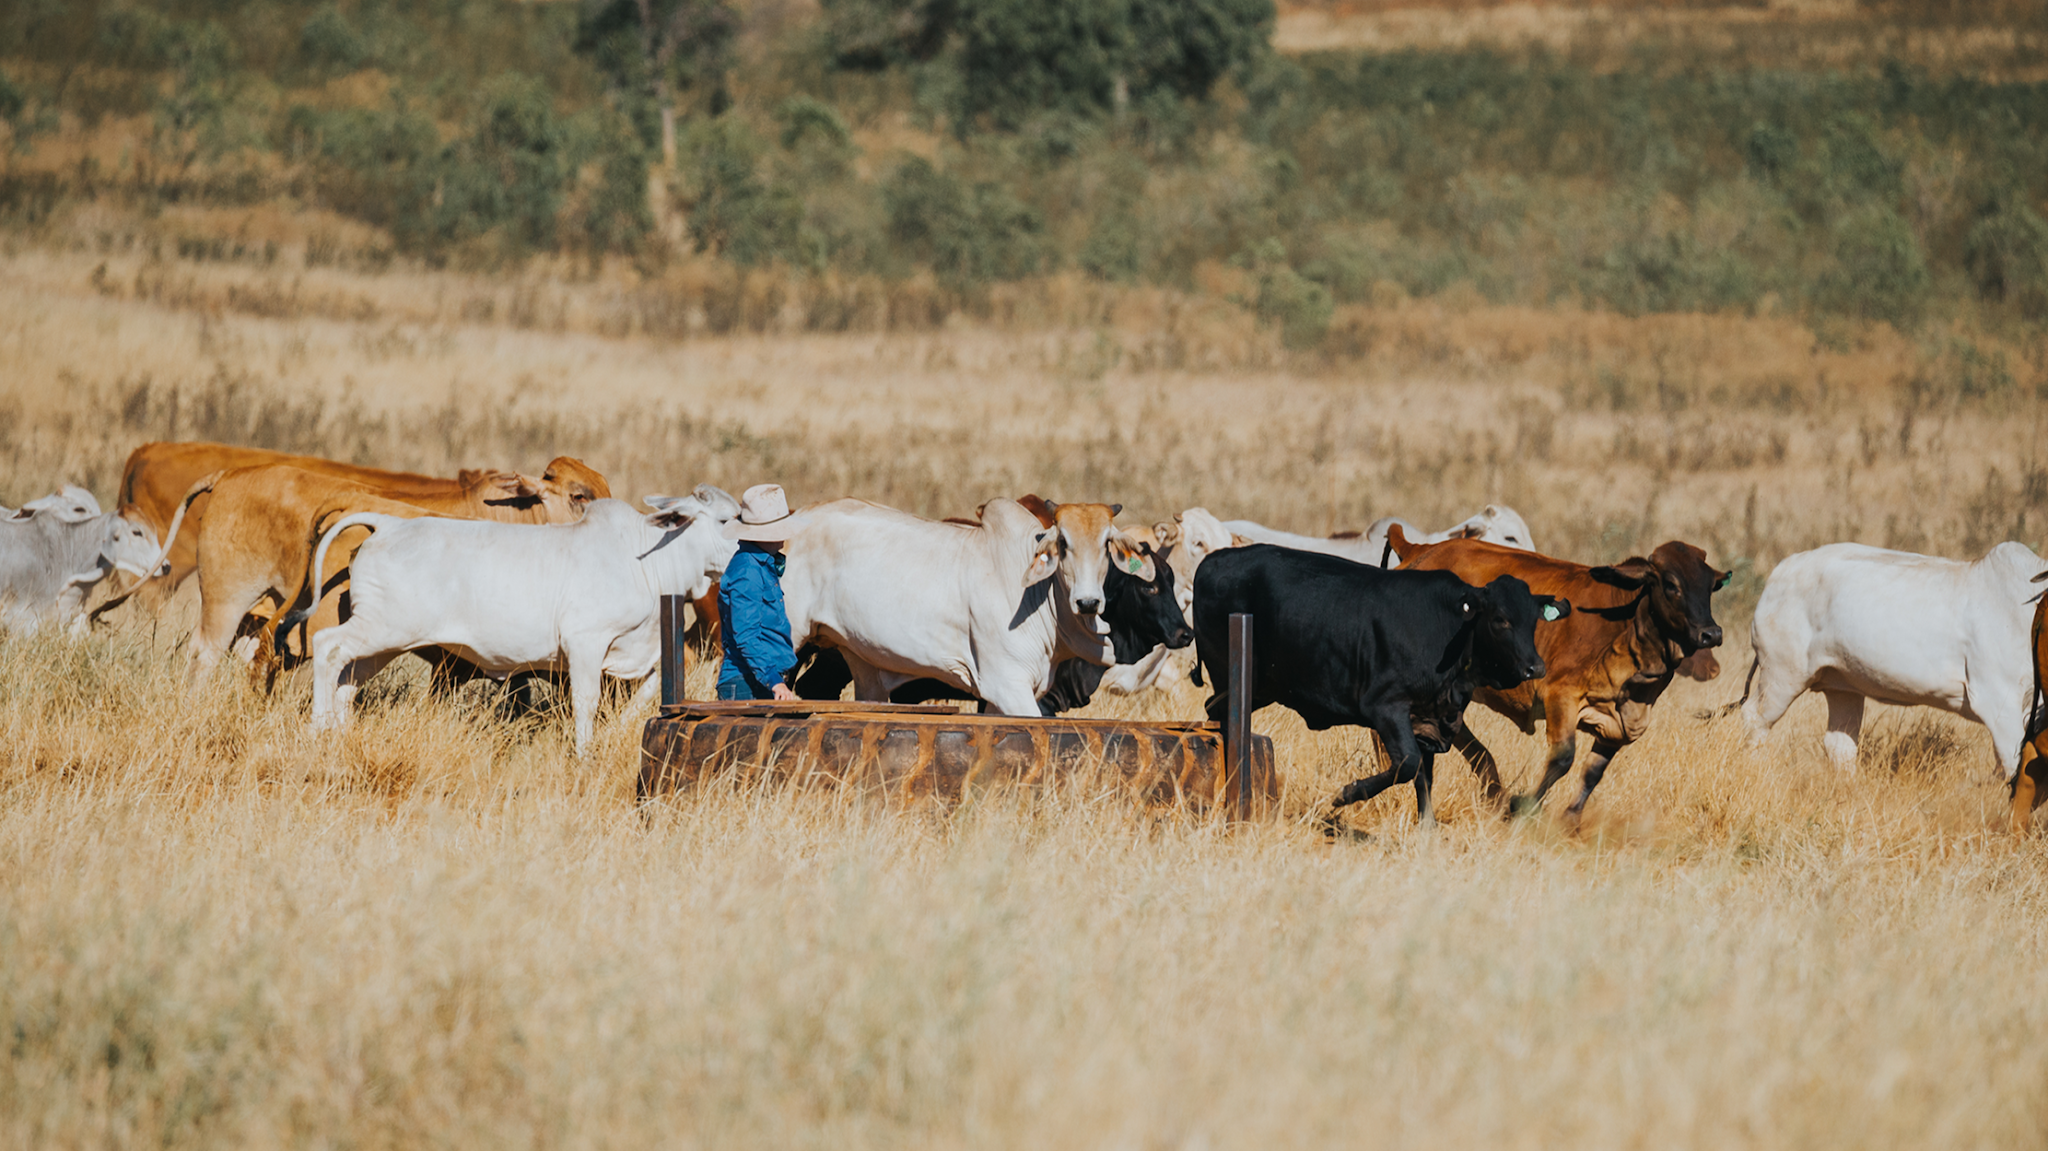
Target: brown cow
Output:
[
  {"x": 160, "y": 474},
  {"x": 258, "y": 542},
  {"x": 1632, "y": 624},
  {"x": 2030, "y": 783}
]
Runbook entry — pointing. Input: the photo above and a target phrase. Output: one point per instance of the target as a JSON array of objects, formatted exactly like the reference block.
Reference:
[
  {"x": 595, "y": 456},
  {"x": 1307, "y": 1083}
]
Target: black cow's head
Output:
[
  {"x": 1143, "y": 614},
  {"x": 1680, "y": 585},
  {"x": 1504, "y": 615}
]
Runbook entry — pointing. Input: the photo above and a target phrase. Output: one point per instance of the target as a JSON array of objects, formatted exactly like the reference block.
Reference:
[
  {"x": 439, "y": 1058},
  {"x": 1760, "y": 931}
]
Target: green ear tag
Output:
[
  {"x": 1550, "y": 612},
  {"x": 1136, "y": 564}
]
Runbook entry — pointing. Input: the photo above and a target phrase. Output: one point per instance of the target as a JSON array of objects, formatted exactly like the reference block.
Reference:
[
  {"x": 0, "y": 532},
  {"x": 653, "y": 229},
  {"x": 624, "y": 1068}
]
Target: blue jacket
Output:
[{"x": 754, "y": 631}]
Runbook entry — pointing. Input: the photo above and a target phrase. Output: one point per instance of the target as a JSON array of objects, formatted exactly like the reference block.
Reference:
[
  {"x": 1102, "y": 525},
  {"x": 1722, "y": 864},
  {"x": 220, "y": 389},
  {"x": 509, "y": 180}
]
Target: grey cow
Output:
[
  {"x": 55, "y": 550},
  {"x": 71, "y": 501}
]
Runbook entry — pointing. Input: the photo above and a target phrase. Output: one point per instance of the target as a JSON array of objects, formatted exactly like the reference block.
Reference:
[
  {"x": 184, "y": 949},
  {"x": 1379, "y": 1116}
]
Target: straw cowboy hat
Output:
[{"x": 764, "y": 516}]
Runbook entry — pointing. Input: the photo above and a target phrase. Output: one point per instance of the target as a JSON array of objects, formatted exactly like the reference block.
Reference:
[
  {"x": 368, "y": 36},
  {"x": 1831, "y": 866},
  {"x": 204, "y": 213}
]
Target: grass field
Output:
[{"x": 437, "y": 929}]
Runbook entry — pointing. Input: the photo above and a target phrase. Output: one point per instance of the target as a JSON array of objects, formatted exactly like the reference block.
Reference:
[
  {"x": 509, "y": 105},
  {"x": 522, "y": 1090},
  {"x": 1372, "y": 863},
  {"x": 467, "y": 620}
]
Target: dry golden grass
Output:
[
  {"x": 2001, "y": 39},
  {"x": 437, "y": 929}
]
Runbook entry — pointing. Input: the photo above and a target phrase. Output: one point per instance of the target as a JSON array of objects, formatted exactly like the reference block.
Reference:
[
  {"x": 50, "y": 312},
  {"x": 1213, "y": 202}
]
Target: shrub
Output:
[
  {"x": 377, "y": 166},
  {"x": 616, "y": 216},
  {"x": 967, "y": 235},
  {"x": 1299, "y": 305},
  {"x": 1879, "y": 271},
  {"x": 510, "y": 172},
  {"x": 2006, "y": 253},
  {"x": 735, "y": 213},
  {"x": 330, "y": 43}
]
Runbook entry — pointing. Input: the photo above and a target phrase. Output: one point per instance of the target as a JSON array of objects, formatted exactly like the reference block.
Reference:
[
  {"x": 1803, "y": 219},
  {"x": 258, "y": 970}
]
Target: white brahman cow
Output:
[
  {"x": 1495, "y": 524},
  {"x": 1854, "y": 622},
  {"x": 69, "y": 501},
  {"x": 984, "y": 607},
  {"x": 521, "y": 597},
  {"x": 55, "y": 550}
]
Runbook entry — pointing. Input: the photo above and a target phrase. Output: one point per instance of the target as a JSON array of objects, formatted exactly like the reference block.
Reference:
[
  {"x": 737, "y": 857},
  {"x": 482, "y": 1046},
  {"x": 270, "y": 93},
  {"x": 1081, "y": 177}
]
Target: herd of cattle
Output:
[{"x": 1029, "y": 607}]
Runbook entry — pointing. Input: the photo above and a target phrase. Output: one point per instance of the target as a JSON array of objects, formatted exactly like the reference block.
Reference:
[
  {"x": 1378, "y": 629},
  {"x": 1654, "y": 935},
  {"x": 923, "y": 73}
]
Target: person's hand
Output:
[{"x": 783, "y": 692}]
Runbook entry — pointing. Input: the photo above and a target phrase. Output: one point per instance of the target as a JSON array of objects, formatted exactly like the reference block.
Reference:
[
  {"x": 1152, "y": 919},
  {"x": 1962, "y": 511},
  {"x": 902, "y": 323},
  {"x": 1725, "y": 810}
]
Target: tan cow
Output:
[
  {"x": 159, "y": 475},
  {"x": 255, "y": 547}
]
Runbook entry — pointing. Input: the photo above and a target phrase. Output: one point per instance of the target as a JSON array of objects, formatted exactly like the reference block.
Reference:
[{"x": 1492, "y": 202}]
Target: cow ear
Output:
[
  {"x": 674, "y": 512},
  {"x": 717, "y": 502},
  {"x": 1116, "y": 509},
  {"x": 1168, "y": 532},
  {"x": 1132, "y": 557},
  {"x": 676, "y": 516},
  {"x": 1556, "y": 607},
  {"x": 1631, "y": 573},
  {"x": 1045, "y": 558},
  {"x": 513, "y": 486},
  {"x": 1721, "y": 581}
]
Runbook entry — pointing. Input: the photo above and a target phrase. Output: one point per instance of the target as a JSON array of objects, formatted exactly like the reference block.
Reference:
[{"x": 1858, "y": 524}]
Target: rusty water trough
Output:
[{"x": 917, "y": 750}]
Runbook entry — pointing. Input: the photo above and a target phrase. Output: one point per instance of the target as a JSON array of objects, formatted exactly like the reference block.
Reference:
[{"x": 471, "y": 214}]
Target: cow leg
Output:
[
  {"x": 2029, "y": 784},
  {"x": 1425, "y": 783},
  {"x": 1775, "y": 693},
  {"x": 342, "y": 663},
  {"x": 1408, "y": 765},
  {"x": 1483, "y": 766},
  {"x": 1559, "y": 762},
  {"x": 222, "y": 605},
  {"x": 1010, "y": 699},
  {"x": 1845, "y": 722},
  {"x": 647, "y": 693},
  {"x": 586, "y": 684},
  {"x": 358, "y": 672},
  {"x": 1596, "y": 767}
]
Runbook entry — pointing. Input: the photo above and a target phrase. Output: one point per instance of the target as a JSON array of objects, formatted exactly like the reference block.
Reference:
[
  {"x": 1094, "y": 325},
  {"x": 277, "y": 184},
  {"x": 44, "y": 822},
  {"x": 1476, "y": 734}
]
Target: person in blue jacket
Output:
[{"x": 754, "y": 635}]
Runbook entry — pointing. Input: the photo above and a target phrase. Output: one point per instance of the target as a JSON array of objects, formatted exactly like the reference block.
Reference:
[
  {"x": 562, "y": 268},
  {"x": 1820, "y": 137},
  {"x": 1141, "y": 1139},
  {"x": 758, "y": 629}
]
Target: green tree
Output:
[
  {"x": 871, "y": 35},
  {"x": 1019, "y": 57},
  {"x": 510, "y": 171},
  {"x": 658, "y": 48}
]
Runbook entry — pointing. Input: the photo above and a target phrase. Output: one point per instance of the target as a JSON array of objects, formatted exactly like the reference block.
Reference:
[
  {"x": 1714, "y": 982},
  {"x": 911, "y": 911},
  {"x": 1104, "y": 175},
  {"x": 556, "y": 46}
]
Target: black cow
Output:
[
  {"x": 1343, "y": 643},
  {"x": 1141, "y": 614}
]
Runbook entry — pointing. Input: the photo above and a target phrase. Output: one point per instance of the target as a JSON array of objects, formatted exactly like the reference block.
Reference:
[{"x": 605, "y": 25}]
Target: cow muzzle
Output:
[
  {"x": 1534, "y": 671},
  {"x": 1710, "y": 637},
  {"x": 1088, "y": 606}
]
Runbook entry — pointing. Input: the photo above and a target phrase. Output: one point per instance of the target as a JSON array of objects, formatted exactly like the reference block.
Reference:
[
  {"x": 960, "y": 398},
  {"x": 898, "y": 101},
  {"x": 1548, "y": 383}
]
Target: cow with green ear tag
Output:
[{"x": 1607, "y": 662}]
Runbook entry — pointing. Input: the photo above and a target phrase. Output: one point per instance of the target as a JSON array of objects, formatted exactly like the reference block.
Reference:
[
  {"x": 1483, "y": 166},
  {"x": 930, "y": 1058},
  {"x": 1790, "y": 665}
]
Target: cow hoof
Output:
[
  {"x": 1523, "y": 806},
  {"x": 1335, "y": 833},
  {"x": 1332, "y": 825}
]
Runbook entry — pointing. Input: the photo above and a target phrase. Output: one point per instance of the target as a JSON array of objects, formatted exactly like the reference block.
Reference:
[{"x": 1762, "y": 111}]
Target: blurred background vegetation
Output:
[{"x": 964, "y": 143}]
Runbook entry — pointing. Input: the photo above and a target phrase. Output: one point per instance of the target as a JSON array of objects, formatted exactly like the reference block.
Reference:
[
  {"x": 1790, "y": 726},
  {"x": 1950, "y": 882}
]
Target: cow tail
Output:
[
  {"x": 291, "y": 620},
  {"x": 1746, "y": 681},
  {"x": 2034, "y": 702},
  {"x": 199, "y": 488}
]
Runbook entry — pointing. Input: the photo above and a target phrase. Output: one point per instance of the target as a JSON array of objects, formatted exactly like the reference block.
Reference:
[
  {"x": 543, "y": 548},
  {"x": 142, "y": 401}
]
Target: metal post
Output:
[
  {"x": 1237, "y": 716},
  {"x": 674, "y": 653}
]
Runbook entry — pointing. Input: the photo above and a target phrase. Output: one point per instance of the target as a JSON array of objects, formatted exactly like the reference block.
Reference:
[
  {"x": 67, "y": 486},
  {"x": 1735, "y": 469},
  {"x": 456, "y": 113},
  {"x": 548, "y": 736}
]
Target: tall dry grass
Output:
[{"x": 436, "y": 928}]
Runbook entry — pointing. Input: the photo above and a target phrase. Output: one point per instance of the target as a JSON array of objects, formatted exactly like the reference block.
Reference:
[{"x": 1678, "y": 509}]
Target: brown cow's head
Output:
[
  {"x": 574, "y": 483},
  {"x": 564, "y": 491},
  {"x": 1680, "y": 585}
]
